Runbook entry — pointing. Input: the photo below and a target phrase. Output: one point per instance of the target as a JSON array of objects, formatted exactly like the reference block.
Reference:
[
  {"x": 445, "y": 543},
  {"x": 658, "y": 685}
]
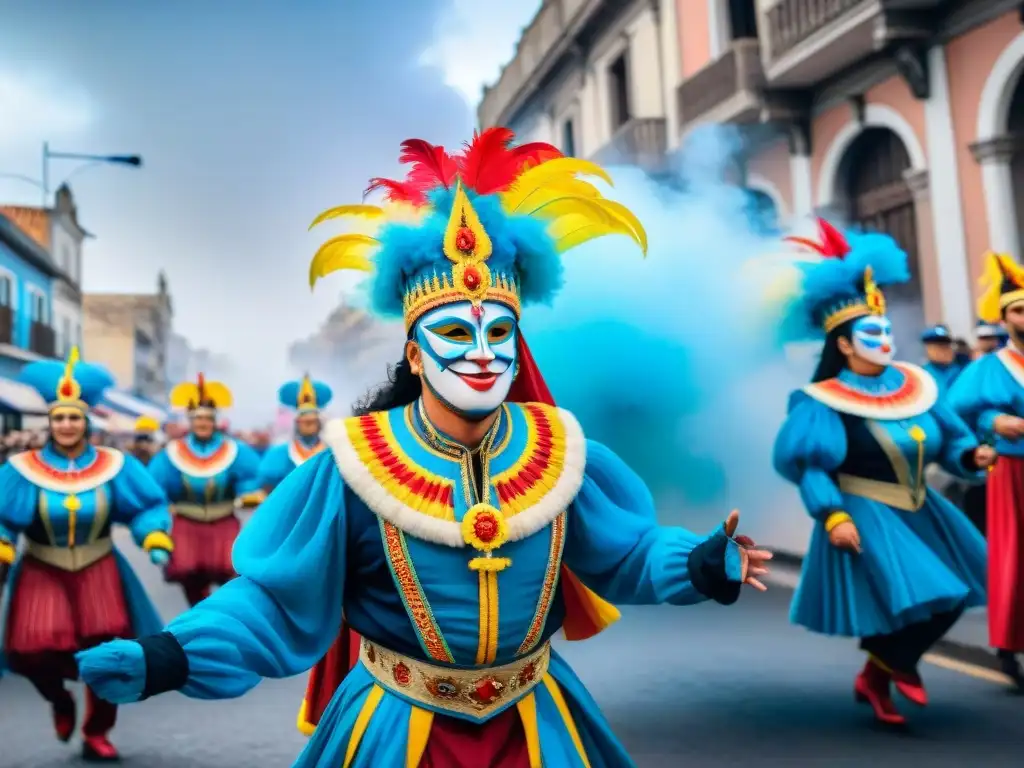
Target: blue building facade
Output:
[{"x": 26, "y": 293}]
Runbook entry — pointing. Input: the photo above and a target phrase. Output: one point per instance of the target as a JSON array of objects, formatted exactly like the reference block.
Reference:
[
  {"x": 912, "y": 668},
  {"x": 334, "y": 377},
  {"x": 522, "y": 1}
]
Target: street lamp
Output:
[{"x": 48, "y": 155}]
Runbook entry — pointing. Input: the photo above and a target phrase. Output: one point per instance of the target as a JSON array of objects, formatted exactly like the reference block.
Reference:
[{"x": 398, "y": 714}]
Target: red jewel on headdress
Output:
[
  {"x": 471, "y": 278},
  {"x": 465, "y": 240},
  {"x": 66, "y": 389}
]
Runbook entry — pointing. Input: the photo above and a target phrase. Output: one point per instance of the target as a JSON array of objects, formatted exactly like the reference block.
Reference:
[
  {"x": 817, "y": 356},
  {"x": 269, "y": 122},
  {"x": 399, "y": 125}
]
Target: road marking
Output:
[{"x": 966, "y": 668}]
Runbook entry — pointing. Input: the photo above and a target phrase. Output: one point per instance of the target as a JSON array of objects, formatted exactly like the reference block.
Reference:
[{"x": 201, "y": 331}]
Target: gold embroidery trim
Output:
[
  {"x": 476, "y": 693},
  {"x": 547, "y": 591},
  {"x": 890, "y": 494},
  {"x": 411, "y": 590}
]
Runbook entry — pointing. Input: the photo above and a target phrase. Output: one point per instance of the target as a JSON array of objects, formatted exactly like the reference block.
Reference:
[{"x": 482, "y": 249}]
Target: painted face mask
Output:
[
  {"x": 872, "y": 339},
  {"x": 469, "y": 359}
]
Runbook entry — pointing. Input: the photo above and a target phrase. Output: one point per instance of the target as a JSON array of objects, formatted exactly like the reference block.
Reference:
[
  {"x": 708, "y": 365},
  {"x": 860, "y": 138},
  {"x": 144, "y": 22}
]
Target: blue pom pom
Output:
[{"x": 116, "y": 671}]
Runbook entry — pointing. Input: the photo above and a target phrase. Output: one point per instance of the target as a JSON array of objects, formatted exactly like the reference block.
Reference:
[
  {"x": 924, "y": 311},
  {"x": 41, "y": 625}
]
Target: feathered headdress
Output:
[
  {"x": 200, "y": 396},
  {"x": 305, "y": 395},
  {"x": 1002, "y": 285},
  {"x": 487, "y": 224},
  {"x": 837, "y": 277},
  {"x": 69, "y": 385}
]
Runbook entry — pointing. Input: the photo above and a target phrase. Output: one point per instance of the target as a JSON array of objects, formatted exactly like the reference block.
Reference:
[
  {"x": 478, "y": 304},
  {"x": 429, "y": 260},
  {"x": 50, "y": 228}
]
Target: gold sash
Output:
[
  {"x": 205, "y": 513},
  {"x": 76, "y": 558},
  {"x": 892, "y": 494}
]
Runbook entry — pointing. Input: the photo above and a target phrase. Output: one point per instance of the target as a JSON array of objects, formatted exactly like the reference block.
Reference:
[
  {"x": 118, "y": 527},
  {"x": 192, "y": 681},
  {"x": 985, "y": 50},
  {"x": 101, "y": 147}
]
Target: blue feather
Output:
[
  {"x": 831, "y": 281},
  {"x": 44, "y": 376},
  {"x": 288, "y": 394},
  {"x": 521, "y": 248}
]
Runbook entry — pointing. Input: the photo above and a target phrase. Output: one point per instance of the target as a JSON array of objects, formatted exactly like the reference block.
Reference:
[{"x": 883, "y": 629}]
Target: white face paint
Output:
[
  {"x": 873, "y": 341},
  {"x": 469, "y": 356}
]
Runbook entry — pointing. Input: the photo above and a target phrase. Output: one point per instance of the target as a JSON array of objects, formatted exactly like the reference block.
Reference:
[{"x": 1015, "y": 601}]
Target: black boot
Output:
[{"x": 1010, "y": 666}]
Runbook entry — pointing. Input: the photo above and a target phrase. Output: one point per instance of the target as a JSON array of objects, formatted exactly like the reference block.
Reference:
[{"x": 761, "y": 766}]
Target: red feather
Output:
[
  {"x": 397, "y": 191},
  {"x": 487, "y": 165},
  {"x": 833, "y": 243},
  {"x": 431, "y": 165},
  {"x": 535, "y": 153}
]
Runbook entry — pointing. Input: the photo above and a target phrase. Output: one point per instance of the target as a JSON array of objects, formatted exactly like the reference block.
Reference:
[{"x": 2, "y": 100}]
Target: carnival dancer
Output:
[
  {"x": 460, "y": 528},
  {"x": 207, "y": 476},
  {"x": 144, "y": 445},
  {"x": 941, "y": 352},
  {"x": 989, "y": 395},
  {"x": 991, "y": 337},
  {"x": 307, "y": 397},
  {"x": 890, "y": 561},
  {"x": 70, "y": 588}
]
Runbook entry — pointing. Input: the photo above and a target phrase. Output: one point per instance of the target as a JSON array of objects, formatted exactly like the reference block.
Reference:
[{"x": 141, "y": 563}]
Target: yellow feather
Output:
[
  {"x": 628, "y": 218},
  {"x": 992, "y": 283},
  {"x": 183, "y": 394},
  {"x": 342, "y": 252},
  {"x": 585, "y": 234},
  {"x": 516, "y": 200},
  {"x": 554, "y": 171},
  {"x": 218, "y": 393},
  {"x": 350, "y": 211}
]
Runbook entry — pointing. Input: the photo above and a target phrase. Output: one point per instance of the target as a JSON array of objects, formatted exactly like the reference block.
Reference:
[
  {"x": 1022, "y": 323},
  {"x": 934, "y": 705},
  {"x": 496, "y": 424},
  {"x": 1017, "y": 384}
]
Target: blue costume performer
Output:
[
  {"x": 144, "y": 445},
  {"x": 207, "y": 476},
  {"x": 940, "y": 350},
  {"x": 461, "y": 521},
  {"x": 890, "y": 561},
  {"x": 307, "y": 397},
  {"x": 989, "y": 395},
  {"x": 991, "y": 336},
  {"x": 70, "y": 588}
]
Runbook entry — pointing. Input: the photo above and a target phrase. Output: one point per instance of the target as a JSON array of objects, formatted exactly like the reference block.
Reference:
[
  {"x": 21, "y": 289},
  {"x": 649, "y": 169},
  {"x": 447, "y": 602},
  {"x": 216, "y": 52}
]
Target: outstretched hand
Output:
[{"x": 754, "y": 560}]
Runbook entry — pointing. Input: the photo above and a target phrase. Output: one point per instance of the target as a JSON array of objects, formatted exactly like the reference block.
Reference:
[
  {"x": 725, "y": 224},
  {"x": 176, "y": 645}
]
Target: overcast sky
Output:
[{"x": 252, "y": 116}]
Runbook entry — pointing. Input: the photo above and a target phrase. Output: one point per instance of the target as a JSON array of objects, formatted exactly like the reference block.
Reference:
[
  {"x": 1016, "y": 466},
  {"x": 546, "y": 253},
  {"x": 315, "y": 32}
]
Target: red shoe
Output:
[
  {"x": 872, "y": 687},
  {"x": 98, "y": 749},
  {"x": 64, "y": 719},
  {"x": 911, "y": 687}
]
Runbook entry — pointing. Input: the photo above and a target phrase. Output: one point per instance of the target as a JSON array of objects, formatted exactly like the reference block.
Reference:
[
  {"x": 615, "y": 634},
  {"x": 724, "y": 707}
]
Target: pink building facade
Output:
[{"x": 902, "y": 117}]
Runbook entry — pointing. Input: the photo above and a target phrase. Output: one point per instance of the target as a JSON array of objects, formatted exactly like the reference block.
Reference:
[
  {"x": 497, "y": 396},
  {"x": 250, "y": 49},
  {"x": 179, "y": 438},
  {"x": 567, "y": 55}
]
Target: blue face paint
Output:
[
  {"x": 872, "y": 339},
  {"x": 469, "y": 356}
]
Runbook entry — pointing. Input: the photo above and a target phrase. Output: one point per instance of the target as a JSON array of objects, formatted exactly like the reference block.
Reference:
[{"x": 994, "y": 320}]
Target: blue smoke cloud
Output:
[{"x": 666, "y": 361}]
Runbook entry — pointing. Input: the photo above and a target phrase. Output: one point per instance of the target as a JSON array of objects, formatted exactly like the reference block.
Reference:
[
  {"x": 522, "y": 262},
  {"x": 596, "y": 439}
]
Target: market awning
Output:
[
  {"x": 133, "y": 406},
  {"x": 16, "y": 397}
]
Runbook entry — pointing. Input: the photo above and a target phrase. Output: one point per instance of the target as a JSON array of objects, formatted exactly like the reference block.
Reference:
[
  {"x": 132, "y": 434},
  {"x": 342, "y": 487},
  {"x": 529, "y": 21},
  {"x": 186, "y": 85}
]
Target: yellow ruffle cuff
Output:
[
  {"x": 251, "y": 499},
  {"x": 7, "y": 553},
  {"x": 836, "y": 518},
  {"x": 158, "y": 540}
]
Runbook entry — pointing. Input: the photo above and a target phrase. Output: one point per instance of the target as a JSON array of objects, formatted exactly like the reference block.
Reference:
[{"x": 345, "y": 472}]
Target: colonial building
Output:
[
  {"x": 899, "y": 116},
  {"x": 26, "y": 283},
  {"x": 130, "y": 334},
  {"x": 59, "y": 233},
  {"x": 588, "y": 77}
]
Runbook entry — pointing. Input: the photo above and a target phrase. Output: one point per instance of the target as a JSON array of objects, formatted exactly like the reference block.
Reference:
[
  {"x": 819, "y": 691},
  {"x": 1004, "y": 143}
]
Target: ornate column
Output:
[
  {"x": 994, "y": 156},
  {"x": 927, "y": 256}
]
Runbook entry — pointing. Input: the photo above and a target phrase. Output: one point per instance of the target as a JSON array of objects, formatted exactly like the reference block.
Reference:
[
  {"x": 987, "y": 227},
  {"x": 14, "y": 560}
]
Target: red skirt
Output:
[
  {"x": 1005, "y": 535},
  {"x": 202, "y": 550},
  {"x": 55, "y": 611},
  {"x": 498, "y": 743}
]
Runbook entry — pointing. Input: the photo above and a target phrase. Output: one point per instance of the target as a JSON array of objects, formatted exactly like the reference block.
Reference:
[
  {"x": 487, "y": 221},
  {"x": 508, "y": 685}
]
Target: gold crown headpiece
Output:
[
  {"x": 200, "y": 396},
  {"x": 532, "y": 180},
  {"x": 307, "y": 395},
  {"x": 69, "y": 391}
]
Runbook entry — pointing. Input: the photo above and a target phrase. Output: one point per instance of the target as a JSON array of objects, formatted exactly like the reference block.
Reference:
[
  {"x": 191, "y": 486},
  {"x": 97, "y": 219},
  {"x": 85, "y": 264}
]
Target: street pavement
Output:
[{"x": 702, "y": 686}]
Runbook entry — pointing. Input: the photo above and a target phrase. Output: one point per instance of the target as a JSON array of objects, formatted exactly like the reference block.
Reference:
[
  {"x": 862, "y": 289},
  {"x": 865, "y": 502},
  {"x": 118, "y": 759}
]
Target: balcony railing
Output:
[
  {"x": 738, "y": 71},
  {"x": 6, "y": 325},
  {"x": 42, "y": 339},
  {"x": 790, "y": 22},
  {"x": 640, "y": 141}
]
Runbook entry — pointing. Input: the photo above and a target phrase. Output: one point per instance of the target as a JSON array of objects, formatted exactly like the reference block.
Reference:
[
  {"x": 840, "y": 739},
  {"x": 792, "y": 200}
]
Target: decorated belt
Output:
[
  {"x": 891, "y": 494},
  {"x": 76, "y": 558},
  {"x": 474, "y": 693},
  {"x": 206, "y": 513}
]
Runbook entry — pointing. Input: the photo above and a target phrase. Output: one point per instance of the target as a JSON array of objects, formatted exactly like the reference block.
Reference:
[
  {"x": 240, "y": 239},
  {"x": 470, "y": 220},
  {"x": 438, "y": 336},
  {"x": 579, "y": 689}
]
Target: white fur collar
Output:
[{"x": 359, "y": 476}]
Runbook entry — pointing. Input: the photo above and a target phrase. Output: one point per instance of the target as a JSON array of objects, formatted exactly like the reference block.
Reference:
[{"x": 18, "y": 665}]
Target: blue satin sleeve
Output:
[
  {"x": 616, "y": 547},
  {"x": 957, "y": 440},
  {"x": 280, "y": 615},
  {"x": 245, "y": 470},
  {"x": 274, "y": 466},
  {"x": 139, "y": 502},
  {"x": 17, "y": 503},
  {"x": 808, "y": 449},
  {"x": 980, "y": 394}
]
